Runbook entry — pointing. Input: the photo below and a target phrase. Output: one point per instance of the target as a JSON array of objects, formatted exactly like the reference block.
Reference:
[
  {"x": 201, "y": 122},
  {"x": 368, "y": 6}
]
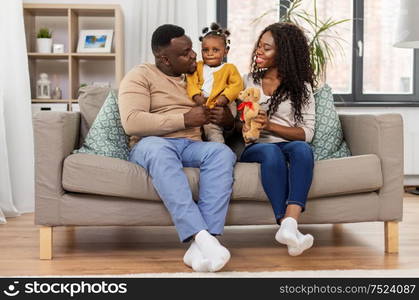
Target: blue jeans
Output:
[
  {"x": 287, "y": 172},
  {"x": 164, "y": 158}
]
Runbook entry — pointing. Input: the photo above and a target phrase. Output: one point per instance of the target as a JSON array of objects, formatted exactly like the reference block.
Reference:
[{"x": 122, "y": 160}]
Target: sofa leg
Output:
[
  {"x": 45, "y": 242},
  {"x": 391, "y": 236}
]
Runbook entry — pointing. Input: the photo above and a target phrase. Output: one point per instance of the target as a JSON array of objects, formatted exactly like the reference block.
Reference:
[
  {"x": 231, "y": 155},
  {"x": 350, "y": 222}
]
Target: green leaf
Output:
[{"x": 44, "y": 33}]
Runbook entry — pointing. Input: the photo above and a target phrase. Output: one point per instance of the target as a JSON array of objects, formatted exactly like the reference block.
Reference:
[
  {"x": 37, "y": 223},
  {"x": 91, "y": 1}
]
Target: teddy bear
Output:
[{"x": 250, "y": 109}]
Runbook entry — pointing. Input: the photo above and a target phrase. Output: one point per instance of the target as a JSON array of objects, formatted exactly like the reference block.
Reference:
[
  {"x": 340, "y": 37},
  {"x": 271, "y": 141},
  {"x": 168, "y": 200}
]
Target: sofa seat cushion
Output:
[
  {"x": 332, "y": 177},
  {"x": 100, "y": 175}
]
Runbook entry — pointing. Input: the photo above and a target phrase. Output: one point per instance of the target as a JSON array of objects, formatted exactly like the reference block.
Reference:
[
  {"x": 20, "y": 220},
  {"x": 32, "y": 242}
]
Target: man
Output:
[{"x": 156, "y": 110}]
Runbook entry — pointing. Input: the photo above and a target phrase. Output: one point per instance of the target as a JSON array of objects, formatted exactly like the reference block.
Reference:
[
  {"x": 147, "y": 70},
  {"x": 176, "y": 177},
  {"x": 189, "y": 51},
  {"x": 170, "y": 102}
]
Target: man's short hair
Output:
[{"x": 164, "y": 34}]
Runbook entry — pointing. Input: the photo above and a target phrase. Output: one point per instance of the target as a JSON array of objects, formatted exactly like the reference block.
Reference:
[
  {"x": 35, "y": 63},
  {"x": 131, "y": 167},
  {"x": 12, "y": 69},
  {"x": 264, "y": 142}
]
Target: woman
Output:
[{"x": 281, "y": 69}]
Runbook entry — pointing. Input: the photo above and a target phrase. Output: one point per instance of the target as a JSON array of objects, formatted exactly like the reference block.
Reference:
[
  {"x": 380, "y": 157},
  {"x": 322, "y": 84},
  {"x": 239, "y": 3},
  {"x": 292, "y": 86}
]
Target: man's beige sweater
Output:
[{"x": 152, "y": 104}]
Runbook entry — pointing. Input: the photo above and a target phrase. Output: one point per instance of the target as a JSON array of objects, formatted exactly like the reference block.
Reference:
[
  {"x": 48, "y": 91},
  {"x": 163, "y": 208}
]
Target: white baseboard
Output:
[{"x": 411, "y": 180}]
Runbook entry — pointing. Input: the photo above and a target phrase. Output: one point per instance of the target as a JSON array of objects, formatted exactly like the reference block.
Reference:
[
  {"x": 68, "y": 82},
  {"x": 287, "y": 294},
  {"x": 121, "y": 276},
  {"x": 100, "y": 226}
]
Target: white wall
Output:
[{"x": 411, "y": 135}]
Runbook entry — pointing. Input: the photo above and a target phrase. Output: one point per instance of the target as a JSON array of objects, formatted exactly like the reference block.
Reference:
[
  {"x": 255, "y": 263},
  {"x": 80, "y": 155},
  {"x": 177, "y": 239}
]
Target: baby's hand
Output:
[
  {"x": 199, "y": 99},
  {"x": 222, "y": 101}
]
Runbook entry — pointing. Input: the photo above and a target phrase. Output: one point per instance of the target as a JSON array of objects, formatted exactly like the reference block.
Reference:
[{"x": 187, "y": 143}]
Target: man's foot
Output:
[
  {"x": 193, "y": 258},
  {"x": 305, "y": 241},
  {"x": 287, "y": 233},
  {"x": 212, "y": 250}
]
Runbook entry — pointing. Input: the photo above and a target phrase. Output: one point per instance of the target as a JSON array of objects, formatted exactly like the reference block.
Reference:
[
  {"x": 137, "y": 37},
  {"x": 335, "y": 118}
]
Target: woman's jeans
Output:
[{"x": 287, "y": 172}]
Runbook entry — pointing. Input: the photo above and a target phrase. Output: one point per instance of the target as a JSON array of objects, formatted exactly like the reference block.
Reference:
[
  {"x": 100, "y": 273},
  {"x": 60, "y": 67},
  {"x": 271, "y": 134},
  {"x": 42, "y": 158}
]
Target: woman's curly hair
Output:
[{"x": 294, "y": 68}]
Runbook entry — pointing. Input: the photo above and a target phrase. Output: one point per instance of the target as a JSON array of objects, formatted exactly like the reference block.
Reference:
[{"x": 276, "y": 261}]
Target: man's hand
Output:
[
  {"x": 196, "y": 117},
  {"x": 221, "y": 116},
  {"x": 222, "y": 101},
  {"x": 199, "y": 99}
]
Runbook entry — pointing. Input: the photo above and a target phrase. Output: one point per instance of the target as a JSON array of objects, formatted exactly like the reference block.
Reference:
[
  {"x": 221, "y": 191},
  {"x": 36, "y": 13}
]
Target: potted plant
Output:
[
  {"x": 44, "y": 41},
  {"x": 319, "y": 32}
]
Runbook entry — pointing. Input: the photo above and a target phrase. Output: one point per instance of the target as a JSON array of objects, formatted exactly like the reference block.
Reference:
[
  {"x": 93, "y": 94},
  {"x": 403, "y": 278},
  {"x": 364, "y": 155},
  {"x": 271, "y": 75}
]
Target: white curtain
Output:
[
  {"x": 192, "y": 15},
  {"x": 16, "y": 134}
]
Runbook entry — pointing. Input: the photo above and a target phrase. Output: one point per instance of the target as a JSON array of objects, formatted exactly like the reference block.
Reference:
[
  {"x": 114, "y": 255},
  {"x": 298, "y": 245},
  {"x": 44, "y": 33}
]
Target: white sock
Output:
[
  {"x": 212, "y": 250},
  {"x": 193, "y": 258},
  {"x": 287, "y": 233},
  {"x": 305, "y": 241}
]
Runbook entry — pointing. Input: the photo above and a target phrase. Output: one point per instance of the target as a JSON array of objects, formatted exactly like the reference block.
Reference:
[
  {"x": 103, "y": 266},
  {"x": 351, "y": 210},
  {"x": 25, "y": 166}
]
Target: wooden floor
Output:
[{"x": 128, "y": 250}]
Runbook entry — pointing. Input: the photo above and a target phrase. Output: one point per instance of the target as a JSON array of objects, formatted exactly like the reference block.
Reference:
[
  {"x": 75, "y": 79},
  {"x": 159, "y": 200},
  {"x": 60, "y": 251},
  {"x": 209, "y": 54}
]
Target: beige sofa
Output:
[{"x": 89, "y": 190}]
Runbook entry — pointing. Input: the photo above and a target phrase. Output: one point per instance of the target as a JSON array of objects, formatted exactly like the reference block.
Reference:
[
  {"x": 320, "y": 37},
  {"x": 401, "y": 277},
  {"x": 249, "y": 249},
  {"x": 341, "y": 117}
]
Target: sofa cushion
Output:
[
  {"x": 106, "y": 136},
  {"x": 101, "y": 175},
  {"x": 113, "y": 177},
  {"x": 328, "y": 139},
  {"x": 91, "y": 99}
]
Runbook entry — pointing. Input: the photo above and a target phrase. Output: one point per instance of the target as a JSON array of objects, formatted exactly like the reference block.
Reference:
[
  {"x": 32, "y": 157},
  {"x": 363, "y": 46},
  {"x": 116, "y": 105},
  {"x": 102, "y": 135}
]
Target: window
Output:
[
  {"x": 379, "y": 54},
  {"x": 367, "y": 70},
  {"x": 245, "y": 29},
  {"x": 339, "y": 72}
]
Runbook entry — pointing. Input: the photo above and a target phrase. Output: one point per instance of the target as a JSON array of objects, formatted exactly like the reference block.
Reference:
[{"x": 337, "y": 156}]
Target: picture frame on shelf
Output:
[
  {"x": 98, "y": 41},
  {"x": 101, "y": 84}
]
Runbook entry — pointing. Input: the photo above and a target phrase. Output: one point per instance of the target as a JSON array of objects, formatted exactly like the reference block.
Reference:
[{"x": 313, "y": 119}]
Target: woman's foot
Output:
[
  {"x": 305, "y": 241},
  {"x": 287, "y": 233}
]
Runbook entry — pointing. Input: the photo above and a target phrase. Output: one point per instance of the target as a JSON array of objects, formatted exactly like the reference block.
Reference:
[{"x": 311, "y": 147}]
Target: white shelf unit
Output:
[{"x": 71, "y": 69}]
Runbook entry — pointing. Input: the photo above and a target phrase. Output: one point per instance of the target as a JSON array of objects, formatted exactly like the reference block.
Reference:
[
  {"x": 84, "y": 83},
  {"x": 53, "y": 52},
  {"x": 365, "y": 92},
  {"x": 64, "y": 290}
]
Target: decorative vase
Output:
[
  {"x": 57, "y": 93},
  {"x": 43, "y": 45}
]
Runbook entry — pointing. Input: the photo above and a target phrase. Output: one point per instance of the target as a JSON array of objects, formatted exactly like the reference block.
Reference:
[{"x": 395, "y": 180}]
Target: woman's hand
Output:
[{"x": 263, "y": 120}]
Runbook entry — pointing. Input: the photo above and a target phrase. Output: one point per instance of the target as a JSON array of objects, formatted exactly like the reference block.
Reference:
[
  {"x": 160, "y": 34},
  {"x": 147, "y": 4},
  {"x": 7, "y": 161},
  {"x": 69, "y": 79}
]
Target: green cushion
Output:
[
  {"x": 106, "y": 137},
  {"x": 328, "y": 139}
]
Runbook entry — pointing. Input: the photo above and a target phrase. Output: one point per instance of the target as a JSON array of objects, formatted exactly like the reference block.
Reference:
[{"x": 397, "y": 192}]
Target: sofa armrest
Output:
[
  {"x": 381, "y": 135},
  {"x": 55, "y": 136}
]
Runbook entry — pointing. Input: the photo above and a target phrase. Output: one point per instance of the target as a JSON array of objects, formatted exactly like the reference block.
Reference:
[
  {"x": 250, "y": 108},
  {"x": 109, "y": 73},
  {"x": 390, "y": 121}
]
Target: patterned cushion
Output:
[
  {"x": 106, "y": 137},
  {"x": 91, "y": 99},
  {"x": 328, "y": 139}
]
